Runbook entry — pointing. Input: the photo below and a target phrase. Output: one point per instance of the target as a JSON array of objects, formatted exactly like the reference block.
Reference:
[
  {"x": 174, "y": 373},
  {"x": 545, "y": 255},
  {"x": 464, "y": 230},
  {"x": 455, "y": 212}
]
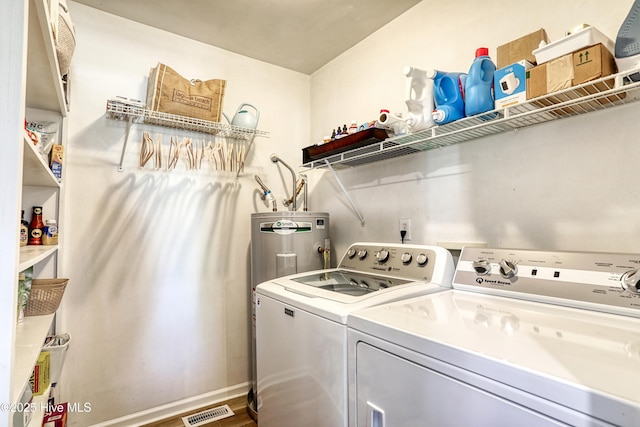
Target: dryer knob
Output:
[
  {"x": 631, "y": 281},
  {"x": 362, "y": 253},
  {"x": 406, "y": 258},
  {"x": 508, "y": 269},
  {"x": 422, "y": 259},
  {"x": 382, "y": 255},
  {"x": 482, "y": 267},
  {"x": 351, "y": 253}
]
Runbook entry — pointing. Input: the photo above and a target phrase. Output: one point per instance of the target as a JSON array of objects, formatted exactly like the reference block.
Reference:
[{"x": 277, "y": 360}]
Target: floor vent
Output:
[{"x": 204, "y": 417}]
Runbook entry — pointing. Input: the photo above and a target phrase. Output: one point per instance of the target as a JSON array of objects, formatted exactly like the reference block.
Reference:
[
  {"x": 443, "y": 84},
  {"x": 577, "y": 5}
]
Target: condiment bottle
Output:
[
  {"x": 24, "y": 230},
  {"x": 50, "y": 233},
  {"x": 36, "y": 227},
  {"x": 353, "y": 128}
]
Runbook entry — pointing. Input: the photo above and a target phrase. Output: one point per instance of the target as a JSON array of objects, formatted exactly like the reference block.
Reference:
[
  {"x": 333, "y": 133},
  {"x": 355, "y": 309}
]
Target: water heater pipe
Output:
[
  {"x": 276, "y": 159},
  {"x": 267, "y": 194}
]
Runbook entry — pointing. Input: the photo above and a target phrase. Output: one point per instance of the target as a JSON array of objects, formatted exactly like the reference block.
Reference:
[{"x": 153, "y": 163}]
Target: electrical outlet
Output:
[{"x": 405, "y": 224}]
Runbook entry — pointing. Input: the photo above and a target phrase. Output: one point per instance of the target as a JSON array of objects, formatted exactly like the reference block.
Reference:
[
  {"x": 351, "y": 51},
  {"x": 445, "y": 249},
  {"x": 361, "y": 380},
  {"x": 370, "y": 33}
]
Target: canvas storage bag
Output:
[
  {"x": 169, "y": 92},
  {"x": 65, "y": 38}
]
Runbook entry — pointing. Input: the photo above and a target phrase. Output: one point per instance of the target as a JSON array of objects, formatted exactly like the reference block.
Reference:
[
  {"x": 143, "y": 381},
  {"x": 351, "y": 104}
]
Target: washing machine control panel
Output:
[
  {"x": 416, "y": 262},
  {"x": 608, "y": 282}
]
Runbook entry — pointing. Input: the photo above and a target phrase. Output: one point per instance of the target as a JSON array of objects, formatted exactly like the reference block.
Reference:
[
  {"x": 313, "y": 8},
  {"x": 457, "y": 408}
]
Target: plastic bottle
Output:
[
  {"x": 50, "y": 232},
  {"x": 419, "y": 94},
  {"x": 448, "y": 93},
  {"x": 36, "y": 227},
  {"x": 478, "y": 89}
]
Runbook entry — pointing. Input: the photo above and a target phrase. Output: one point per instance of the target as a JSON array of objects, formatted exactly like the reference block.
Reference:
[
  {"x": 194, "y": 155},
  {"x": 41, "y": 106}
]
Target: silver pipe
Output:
[
  {"x": 276, "y": 159},
  {"x": 264, "y": 187},
  {"x": 305, "y": 182},
  {"x": 266, "y": 194}
]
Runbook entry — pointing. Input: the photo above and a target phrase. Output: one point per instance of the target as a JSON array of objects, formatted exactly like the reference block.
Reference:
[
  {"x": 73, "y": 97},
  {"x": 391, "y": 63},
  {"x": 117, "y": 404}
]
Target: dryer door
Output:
[{"x": 393, "y": 391}]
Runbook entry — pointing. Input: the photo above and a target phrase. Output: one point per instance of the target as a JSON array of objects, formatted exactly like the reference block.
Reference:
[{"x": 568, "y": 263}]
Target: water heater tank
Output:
[{"x": 282, "y": 243}]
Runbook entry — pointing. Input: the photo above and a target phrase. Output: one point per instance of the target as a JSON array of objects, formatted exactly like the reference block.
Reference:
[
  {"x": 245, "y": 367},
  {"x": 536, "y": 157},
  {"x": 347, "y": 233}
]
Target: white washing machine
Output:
[
  {"x": 301, "y": 326},
  {"x": 525, "y": 338}
]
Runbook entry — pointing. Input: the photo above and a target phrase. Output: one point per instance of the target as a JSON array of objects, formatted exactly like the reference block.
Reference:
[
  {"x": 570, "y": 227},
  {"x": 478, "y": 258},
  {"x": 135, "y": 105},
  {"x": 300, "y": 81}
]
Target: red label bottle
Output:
[{"x": 36, "y": 227}]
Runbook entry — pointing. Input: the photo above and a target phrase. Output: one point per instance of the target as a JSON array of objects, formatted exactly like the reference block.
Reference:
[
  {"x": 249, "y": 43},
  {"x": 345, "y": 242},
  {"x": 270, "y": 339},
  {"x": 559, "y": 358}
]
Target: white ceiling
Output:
[{"x": 300, "y": 35}]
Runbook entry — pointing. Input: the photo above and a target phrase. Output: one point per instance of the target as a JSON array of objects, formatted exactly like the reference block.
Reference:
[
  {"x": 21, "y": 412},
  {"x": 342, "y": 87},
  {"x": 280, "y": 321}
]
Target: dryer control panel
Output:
[
  {"x": 607, "y": 282},
  {"x": 417, "y": 262}
]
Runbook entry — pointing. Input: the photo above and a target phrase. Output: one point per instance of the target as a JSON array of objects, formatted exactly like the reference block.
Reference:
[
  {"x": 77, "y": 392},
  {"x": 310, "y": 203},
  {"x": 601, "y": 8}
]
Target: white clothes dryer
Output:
[
  {"x": 301, "y": 327},
  {"x": 526, "y": 338}
]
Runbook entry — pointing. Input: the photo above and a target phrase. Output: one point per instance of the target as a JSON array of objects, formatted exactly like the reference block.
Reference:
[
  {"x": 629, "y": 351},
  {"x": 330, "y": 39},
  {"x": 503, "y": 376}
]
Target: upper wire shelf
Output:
[
  {"x": 592, "y": 96},
  {"x": 124, "y": 110}
]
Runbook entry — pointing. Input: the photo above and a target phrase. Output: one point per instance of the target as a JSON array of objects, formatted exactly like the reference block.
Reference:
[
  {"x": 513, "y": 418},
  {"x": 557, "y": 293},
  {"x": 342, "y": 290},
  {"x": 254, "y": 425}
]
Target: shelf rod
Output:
[
  {"x": 344, "y": 190},
  {"x": 124, "y": 145}
]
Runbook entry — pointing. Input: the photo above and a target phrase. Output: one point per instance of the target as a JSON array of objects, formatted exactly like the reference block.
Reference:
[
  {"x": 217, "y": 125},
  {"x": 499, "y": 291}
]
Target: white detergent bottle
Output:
[
  {"x": 627, "y": 49},
  {"x": 419, "y": 93}
]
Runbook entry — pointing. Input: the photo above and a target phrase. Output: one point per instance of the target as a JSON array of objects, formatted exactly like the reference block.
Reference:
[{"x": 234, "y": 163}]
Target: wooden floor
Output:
[{"x": 237, "y": 405}]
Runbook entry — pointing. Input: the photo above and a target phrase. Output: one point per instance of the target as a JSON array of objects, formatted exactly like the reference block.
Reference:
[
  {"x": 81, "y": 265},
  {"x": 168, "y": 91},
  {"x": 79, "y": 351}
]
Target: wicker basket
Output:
[{"x": 45, "y": 296}]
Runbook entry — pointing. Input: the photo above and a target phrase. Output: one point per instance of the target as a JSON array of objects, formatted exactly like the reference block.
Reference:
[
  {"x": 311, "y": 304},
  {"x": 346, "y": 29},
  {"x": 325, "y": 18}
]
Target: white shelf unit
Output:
[
  {"x": 592, "y": 96},
  {"x": 34, "y": 87},
  {"x": 30, "y": 335}
]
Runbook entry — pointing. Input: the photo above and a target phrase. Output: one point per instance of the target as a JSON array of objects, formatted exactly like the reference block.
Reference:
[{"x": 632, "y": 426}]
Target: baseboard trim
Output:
[{"x": 175, "y": 408}]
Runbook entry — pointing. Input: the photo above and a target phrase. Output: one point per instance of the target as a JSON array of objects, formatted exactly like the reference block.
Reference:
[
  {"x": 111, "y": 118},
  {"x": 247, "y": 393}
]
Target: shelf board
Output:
[
  {"x": 31, "y": 255},
  {"x": 592, "y": 96},
  {"x": 35, "y": 170},
  {"x": 44, "y": 83},
  {"x": 30, "y": 336},
  {"x": 123, "y": 110}
]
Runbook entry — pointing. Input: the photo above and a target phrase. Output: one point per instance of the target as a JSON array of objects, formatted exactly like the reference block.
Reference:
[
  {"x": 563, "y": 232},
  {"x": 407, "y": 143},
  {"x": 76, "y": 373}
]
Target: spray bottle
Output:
[
  {"x": 478, "y": 89},
  {"x": 448, "y": 92},
  {"x": 419, "y": 101}
]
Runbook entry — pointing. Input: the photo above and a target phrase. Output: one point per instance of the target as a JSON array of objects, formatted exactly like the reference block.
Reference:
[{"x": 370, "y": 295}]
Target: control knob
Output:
[
  {"x": 351, "y": 253},
  {"x": 422, "y": 259},
  {"x": 406, "y": 258},
  {"x": 508, "y": 269},
  {"x": 631, "y": 281},
  {"x": 362, "y": 253},
  {"x": 482, "y": 267},
  {"x": 382, "y": 255}
]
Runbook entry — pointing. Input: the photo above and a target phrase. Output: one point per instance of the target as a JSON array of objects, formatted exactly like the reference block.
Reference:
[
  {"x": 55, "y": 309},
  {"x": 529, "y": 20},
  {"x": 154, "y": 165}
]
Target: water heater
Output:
[{"x": 283, "y": 243}]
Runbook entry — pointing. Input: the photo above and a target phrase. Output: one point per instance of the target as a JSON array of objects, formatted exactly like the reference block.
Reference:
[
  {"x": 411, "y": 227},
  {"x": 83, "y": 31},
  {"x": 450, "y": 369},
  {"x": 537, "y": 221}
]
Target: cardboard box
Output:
[
  {"x": 537, "y": 81},
  {"x": 56, "y": 160},
  {"x": 40, "y": 376},
  {"x": 592, "y": 63},
  {"x": 57, "y": 417},
  {"x": 510, "y": 84},
  {"x": 579, "y": 67},
  {"x": 521, "y": 49}
]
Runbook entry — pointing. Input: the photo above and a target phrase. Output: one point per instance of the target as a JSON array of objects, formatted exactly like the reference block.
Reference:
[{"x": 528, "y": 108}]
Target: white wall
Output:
[
  {"x": 157, "y": 305},
  {"x": 569, "y": 185}
]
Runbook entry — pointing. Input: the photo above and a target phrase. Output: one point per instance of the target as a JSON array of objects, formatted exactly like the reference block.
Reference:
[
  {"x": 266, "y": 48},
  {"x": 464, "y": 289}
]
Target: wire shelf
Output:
[
  {"x": 592, "y": 96},
  {"x": 126, "y": 110}
]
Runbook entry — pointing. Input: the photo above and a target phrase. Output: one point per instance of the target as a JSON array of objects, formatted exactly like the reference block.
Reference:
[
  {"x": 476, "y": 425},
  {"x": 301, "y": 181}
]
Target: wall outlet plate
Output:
[{"x": 405, "y": 224}]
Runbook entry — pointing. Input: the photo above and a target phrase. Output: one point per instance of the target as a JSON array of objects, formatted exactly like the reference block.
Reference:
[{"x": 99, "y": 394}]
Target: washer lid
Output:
[
  {"x": 334, "y": 298},
  {"x": 349, "y": 282},
  {"x": 581, "y": 359}
]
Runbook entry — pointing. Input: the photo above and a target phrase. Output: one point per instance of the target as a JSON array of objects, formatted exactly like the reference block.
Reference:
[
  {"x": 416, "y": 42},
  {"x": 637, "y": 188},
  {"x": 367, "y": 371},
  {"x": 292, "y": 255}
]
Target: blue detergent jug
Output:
[
  {"x": 448, "y": 93},
  {"x": 478, "y": 90}
]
